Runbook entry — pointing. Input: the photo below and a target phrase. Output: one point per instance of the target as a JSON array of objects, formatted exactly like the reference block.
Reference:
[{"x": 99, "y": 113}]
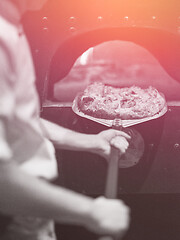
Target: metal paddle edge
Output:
[{"x": 109, "y": 123}]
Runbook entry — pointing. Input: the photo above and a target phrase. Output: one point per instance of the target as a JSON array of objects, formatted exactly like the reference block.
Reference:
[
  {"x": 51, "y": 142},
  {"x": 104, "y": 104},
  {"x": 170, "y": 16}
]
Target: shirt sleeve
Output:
[
  {"x": 7, "y": 99},
  {"x": 5, "y": 150}
]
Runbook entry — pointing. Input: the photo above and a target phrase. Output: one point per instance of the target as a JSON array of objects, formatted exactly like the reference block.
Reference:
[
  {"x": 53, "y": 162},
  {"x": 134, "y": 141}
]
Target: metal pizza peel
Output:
[
  {"x": 133, "y": 153},
  {"x": 136, "y": 144},
  {"x": 109, "y": 123}
]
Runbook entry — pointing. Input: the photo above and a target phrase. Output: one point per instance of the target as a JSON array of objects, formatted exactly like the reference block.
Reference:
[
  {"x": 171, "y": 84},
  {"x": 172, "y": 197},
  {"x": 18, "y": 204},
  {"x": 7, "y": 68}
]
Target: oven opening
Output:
[
  {"x": 120, "y": 63},
  {"x": 117, "y": 63}
]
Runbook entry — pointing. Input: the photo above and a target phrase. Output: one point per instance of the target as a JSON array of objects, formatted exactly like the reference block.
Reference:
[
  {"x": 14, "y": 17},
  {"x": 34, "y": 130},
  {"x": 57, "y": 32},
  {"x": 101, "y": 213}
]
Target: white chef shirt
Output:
[{"x": 21, "y": 135}]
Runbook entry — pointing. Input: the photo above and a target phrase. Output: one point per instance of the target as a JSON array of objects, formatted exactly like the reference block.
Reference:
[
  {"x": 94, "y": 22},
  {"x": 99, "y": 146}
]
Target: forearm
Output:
[
  {"x": 22, "y": 194},
  {"x": 68, "y": 139}
]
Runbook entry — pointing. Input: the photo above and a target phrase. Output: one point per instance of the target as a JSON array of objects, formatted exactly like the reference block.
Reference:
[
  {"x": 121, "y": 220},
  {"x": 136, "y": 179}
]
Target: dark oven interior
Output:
[
  {"x": 91, "y": 57},
  {"x": 135, "y": 45}
]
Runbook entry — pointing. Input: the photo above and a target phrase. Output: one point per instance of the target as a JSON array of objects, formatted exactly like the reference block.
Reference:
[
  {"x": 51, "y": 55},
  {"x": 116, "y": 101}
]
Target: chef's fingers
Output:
[
  {"x": 120, "y": 143},
  {"x": 123, "y": 134}
]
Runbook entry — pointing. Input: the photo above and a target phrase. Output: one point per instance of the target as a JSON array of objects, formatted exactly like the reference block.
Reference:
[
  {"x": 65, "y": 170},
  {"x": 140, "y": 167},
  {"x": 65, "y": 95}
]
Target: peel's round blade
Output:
[{"x": 109, "y": 123}]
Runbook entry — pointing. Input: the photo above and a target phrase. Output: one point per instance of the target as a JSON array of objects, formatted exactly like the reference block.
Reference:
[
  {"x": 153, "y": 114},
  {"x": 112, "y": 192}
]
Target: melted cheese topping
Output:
[{"x": 108, "y": 102}]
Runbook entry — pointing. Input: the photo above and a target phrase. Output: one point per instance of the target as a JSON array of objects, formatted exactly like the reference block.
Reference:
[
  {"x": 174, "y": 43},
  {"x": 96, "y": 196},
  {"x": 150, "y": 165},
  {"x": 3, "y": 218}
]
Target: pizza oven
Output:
[{"x": 120, "y": 43}]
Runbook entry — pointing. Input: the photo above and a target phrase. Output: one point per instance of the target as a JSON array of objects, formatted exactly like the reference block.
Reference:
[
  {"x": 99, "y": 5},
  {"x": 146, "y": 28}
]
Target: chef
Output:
[{"x": 27, "y": 158}]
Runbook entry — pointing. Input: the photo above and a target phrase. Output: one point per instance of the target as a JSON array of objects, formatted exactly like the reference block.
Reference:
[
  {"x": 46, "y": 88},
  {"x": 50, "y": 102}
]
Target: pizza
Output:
[{"x": 106, "y": 102}]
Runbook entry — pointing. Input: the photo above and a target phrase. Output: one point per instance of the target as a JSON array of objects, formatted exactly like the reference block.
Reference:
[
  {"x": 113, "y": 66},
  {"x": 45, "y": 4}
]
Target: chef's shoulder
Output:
[{"x": 8, "y": 38}]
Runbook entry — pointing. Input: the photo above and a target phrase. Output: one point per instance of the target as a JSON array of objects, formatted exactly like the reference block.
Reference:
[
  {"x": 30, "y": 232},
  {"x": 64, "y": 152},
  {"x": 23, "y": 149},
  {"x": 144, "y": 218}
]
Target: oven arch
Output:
[{"x": 163, "y": 45}]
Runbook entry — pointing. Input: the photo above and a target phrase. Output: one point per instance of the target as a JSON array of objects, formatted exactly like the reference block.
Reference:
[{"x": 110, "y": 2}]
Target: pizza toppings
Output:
[{"x": 103, "y": 101}]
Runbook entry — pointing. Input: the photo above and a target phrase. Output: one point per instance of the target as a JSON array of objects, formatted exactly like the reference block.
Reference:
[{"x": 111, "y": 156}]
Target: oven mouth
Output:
[{"x": 163, "y": 46}]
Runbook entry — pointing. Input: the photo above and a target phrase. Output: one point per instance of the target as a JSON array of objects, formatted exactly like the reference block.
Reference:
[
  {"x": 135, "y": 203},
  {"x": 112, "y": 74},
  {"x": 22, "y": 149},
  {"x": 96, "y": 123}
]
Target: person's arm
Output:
[
  {"x": 26, "y": 195},
  {"x": 22, "y": 194},
  {"x": 97, "y": 143}
]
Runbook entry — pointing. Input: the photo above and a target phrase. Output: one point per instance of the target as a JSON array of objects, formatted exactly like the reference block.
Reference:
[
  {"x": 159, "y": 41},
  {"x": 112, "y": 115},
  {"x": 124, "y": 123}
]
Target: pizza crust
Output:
[{"x": 107, "y": 102}]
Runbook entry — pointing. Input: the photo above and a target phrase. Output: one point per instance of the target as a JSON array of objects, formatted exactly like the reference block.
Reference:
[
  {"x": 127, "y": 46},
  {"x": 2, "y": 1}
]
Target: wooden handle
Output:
[
  {"x": 112, "y": 181},
  {"x": 106, "y": 238},
  {"x": 112, "y": 175}
]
